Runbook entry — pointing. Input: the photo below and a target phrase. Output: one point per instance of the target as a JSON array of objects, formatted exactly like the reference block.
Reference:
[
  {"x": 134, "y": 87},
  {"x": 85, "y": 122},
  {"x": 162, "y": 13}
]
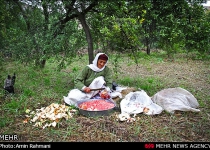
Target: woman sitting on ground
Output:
[{"x": 93, "y": 76}]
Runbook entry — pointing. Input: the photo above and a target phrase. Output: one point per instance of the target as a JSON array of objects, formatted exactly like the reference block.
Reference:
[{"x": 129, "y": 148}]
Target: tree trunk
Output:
[
  {"x": 148, "y": 46},
  {"x": 88, "y": 36}
]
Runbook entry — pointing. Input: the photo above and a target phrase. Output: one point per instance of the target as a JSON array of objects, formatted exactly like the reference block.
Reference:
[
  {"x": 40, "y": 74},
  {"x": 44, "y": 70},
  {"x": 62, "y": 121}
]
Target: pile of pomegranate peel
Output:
[{"x": 49, "y": 116}]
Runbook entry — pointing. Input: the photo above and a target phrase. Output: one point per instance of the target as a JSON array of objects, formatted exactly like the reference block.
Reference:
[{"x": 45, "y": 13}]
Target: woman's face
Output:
[{"x": 101, "y": 63}]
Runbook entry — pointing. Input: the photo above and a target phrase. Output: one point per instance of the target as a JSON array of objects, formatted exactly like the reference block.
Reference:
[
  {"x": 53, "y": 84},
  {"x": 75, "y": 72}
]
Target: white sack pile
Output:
[{"x": 170, "y": 99}]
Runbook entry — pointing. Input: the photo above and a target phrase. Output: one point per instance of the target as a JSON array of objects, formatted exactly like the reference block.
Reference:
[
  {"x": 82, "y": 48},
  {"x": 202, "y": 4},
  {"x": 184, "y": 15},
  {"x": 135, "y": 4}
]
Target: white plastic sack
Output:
[
  {"x": 97, "y": 83},
  {"x": 119, "y": 88},
  {"x": 115, "y": 94},
  {"x": 138, "y": 102},
  {"x": 74, "y": 96},
  {"x": 172, "y": 99}
]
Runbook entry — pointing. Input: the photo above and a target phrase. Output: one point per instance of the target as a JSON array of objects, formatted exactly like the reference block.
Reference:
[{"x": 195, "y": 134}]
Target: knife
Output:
[{"x": 97, "y": 89}]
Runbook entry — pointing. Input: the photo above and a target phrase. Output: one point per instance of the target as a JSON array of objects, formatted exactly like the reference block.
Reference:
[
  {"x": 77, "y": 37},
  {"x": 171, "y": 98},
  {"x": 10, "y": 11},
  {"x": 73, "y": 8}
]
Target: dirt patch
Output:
[{"x": 191, "y": 73}]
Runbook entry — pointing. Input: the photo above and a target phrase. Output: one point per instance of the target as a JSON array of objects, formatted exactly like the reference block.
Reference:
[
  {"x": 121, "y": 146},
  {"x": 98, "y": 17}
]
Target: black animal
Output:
[
  {"x": 114, "y": 85},
  {"x": 9, "y": 84}
]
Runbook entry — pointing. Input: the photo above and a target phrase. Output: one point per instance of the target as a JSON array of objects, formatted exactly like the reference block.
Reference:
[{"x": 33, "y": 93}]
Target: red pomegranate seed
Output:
[{"x": 96, "y": 105}]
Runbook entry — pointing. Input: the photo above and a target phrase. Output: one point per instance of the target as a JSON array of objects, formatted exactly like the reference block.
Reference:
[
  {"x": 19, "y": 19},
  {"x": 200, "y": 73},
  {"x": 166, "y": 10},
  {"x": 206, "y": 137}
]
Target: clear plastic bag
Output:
[{"x": 139, "y": 102}]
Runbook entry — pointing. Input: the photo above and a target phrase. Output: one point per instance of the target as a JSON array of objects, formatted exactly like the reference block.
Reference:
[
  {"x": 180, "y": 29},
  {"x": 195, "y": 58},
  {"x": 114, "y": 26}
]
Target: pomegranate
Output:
[{"x": 104, "y": 94}]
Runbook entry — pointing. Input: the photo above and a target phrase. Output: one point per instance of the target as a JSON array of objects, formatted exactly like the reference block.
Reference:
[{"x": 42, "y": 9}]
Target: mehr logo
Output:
[{"x": 9, "y": 137}]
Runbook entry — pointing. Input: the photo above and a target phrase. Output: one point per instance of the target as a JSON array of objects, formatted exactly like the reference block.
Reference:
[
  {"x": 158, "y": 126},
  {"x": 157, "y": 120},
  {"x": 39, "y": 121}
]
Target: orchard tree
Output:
[
  {"x": 51, "y": 28},
  {"x": 37, "y": 30}
]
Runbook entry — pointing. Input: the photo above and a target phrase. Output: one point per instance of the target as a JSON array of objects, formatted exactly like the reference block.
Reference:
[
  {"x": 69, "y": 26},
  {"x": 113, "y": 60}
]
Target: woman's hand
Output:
[{"x": 87, "y": 90}]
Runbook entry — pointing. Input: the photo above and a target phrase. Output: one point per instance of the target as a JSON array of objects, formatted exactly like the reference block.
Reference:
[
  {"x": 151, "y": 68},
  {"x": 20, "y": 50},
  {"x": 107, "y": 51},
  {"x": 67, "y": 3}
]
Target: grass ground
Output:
[{"x": 35, "y": 88}]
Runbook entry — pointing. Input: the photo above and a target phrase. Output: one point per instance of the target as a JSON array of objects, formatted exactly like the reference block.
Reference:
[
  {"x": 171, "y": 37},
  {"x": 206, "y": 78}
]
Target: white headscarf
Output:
[{"x": 94, "y": 66}]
